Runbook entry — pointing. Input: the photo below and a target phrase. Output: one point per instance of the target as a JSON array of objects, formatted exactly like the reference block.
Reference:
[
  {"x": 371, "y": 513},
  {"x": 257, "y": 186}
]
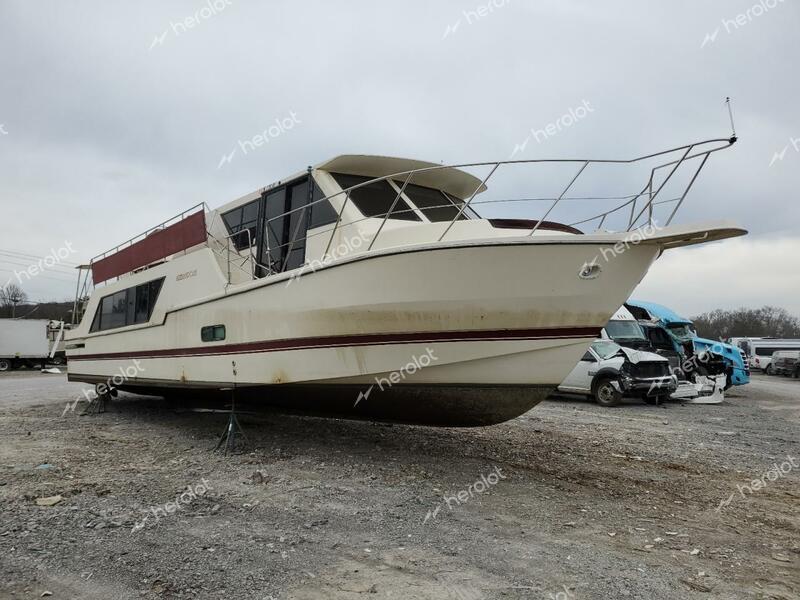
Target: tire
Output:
[
  {"x": 729, "y": 380},
  {"x": 5, "y": 364},
  {"x": 796, "y": 373},
  {"x": 57, "y": 361},
  {"x": 769, "y": 370},
  {"x": 605, "y": 394}
]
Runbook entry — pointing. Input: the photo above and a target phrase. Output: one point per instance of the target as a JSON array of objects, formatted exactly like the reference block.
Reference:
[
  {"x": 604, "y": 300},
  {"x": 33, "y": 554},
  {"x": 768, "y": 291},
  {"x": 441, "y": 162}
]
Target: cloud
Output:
[
  {"x": 91, "y": 99},
  {"x": 743, "y": 272}
]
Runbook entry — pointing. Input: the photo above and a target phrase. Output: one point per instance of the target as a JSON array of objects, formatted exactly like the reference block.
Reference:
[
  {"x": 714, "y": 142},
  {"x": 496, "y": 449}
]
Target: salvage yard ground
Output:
[{"x": 571, "y": 501}]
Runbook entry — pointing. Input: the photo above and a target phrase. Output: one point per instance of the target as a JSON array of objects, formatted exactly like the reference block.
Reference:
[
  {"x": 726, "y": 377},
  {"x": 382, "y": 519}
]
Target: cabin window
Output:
[
  {"x": 242, "y": 224},
  {"x": 212, "y": 333},
  {"x": 127, "y": 307},
  {"x": 375, "y": 199},
  {"x": 322, "y": 213},
  {"x": 114, "y": 310},
  {"x": 434, "y": 204},
  {"x": 298, "y": 224},
  {"x": 286, "y": 219}
]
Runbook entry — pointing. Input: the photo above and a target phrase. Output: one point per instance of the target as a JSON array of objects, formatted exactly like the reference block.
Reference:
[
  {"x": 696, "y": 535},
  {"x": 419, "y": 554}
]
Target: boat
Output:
[{"x": 369, "y": 287}]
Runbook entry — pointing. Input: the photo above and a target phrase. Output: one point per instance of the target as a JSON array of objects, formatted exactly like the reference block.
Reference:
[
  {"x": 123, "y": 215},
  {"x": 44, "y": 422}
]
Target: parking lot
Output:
[{"x": 570, "y": 501}]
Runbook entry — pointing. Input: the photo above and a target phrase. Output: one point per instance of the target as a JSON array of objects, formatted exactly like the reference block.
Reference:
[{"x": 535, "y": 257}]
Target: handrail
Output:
[
  {"x": 557, "y": 200},
  {"x": 688, "y": 152},
  {"x": 650, "y": 191}
]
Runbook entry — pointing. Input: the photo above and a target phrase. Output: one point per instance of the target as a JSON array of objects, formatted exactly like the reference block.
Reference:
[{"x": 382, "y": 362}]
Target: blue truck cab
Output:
[{"x": 681, "y": 332}]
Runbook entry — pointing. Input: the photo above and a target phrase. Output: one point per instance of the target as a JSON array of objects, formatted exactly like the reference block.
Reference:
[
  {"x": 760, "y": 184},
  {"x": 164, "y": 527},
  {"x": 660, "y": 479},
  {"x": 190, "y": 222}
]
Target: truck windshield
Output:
[
  {"x": 682, "y": 331},
  {"x": 605, "y": 349},
  {"x": 625, "y": 330}
]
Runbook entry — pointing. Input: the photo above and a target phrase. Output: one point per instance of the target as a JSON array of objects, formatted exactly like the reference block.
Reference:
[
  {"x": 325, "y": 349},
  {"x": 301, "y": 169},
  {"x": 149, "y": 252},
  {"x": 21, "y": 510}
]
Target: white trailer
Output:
[{"x": 23, "y": 342}]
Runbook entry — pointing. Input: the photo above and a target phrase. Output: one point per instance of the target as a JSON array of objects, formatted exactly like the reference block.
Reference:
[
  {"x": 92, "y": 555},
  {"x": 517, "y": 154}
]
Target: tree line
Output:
[
  {"x": 767, "y": 321},
  {"x": 14, "y": 304}
]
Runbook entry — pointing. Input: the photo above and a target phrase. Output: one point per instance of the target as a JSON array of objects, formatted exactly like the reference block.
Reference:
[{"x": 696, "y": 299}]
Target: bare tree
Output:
[
  {"x": 11, "y": 295},
  {"x": 767, "y": 321}
]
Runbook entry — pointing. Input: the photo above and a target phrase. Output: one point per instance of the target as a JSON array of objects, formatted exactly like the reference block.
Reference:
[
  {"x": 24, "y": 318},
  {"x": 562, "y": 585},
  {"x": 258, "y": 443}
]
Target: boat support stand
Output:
[{"x": 234, "y": 433}]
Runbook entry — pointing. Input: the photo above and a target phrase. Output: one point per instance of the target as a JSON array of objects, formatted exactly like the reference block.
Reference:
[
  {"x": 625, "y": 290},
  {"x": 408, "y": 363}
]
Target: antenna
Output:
[{"x": 730, "y": 114}]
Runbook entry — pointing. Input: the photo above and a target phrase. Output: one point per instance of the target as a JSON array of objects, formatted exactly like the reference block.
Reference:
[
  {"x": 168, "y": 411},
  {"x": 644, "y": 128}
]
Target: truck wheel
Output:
[
  {"x": 769, "y": 370},
  {"x": 729, "y": 381},
  {"x": 5, "y": 364},
  {"x": 796, "y": 373},
  {"x": 605, "y": 394}
]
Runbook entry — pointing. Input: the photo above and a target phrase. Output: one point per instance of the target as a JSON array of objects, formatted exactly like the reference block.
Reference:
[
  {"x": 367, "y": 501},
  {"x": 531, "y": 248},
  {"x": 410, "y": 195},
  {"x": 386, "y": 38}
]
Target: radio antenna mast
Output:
[{"x": 730, "y": 114}]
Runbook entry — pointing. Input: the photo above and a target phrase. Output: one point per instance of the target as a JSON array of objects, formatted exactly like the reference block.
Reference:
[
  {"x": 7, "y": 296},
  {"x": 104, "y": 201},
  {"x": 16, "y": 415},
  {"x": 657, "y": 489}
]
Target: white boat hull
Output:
[{"x": 503, "y": 315}]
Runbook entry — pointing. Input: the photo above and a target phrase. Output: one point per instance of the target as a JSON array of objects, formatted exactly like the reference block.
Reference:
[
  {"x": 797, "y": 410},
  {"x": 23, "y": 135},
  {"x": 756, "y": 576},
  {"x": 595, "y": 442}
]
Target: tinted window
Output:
[
  {"x": 142, "y": 295},
  {"x": 275, "y": 207},
  {"x": 244, "y": 221},
  {"x": 298, "y": 224},
  {"x": 375, "y": 199},
  {"x": 322, "y": 213},
  {"x": 213, "y": 333},
  {"x": 115, "y": 310},
  {"x": 434, "y": 204},
  {"x": 127, "y": 307},
  {"x": 768, "y": 350},
  {"x": 285, "y": 221}
]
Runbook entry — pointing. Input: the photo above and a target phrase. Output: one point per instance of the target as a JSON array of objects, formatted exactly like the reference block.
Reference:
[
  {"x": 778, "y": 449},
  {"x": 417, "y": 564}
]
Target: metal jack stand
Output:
[
  {"x": 230, "y": 438},
  {"x": 97, "y": 404}
]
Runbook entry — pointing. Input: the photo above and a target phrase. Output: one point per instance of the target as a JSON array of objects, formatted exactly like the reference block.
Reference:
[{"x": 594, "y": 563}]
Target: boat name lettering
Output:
[{"x": 182, "y": 276}]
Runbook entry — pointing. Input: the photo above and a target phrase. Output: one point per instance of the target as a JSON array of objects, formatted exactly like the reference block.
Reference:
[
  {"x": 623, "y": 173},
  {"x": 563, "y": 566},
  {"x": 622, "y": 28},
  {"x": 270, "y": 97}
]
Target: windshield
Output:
[
  {"x": 376, "y": 198},
  {"x": 625, "y": 330},
  {"x": 682, "y": 331},
  {"x": 434, "y": 204},
  {"x": 605, "y": 349}
]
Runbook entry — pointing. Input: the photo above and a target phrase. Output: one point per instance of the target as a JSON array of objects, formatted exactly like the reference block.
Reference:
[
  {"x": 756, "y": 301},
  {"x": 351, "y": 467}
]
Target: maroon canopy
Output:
[{"x": 161, "y": 243}]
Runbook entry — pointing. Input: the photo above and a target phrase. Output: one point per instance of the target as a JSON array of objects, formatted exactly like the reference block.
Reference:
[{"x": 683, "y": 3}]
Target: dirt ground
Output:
[{"x": 568, "y": 502}]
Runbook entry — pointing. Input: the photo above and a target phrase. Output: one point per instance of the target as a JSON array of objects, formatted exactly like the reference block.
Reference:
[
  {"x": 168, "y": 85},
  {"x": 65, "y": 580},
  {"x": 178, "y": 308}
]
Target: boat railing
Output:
[
  {"x": 232, "y": 256},
  {"x": 639, "y": 206}
]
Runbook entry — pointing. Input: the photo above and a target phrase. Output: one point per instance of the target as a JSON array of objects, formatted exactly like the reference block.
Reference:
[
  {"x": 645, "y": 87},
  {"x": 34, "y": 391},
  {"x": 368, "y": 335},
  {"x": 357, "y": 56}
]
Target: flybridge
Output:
[{"x": 170, "y": 237}]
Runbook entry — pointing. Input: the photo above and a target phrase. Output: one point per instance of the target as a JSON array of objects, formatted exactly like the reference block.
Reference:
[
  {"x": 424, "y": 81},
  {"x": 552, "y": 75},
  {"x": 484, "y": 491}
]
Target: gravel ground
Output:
[{"x": 569, "y": 502}]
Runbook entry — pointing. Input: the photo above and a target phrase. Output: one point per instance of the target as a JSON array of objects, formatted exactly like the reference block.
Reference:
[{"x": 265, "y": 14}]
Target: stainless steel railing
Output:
[{"x": 650, "y": 192}]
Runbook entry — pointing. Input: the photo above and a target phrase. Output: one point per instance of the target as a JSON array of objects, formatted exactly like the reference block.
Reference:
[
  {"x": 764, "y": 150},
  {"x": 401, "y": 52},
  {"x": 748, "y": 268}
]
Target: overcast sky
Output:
[{"x": 115, "y": 116}]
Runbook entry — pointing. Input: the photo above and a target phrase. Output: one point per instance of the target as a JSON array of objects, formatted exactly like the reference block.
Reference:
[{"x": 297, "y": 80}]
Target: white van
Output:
[{"x": 761, "y": 351}]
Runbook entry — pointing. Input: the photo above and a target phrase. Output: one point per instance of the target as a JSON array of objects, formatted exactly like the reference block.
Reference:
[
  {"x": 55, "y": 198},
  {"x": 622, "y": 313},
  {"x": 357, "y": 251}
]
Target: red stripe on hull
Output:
[{"x": 355, "y": 340}]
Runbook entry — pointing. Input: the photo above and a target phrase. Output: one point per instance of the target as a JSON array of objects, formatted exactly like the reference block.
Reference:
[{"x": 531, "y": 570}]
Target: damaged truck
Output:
[
  {"x": 701, "y": 376},
  {"x": 609, "y": 372},
  {"x": 674, "y": 336}
]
